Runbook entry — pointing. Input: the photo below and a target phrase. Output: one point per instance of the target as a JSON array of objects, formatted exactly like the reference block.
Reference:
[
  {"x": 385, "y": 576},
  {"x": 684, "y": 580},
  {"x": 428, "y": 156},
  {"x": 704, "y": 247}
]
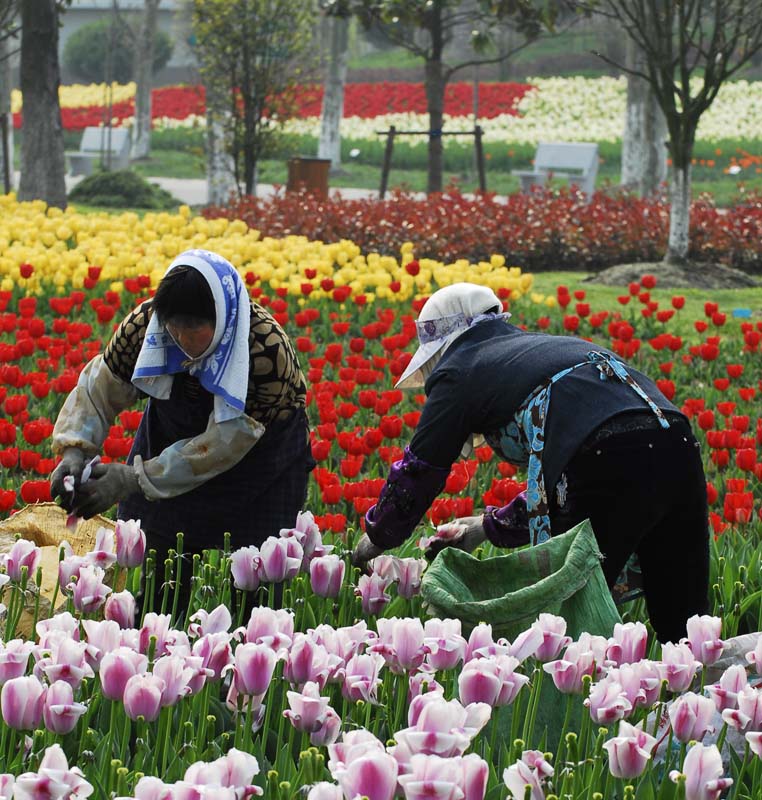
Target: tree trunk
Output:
[
  {"x": 329, "y": 145},
  {"x": 435, "y": 89},
  {"x": 42, "y": 147},
  {"x": 144, "y": 52},
  {"x": 5, "y": 113},
  {"x": 679, "y": 214},
  {"x": 644, "y": 154},
  {"x": 220, "y": 176}
]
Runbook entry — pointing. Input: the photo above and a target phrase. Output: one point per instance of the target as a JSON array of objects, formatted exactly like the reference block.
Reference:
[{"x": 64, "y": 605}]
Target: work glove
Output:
[
  {"x": 364, "y": 552},
  {"x": 465, "y": 533},
  {"x": 72, "y": 463},
  {"x": 108, "y": 484}
]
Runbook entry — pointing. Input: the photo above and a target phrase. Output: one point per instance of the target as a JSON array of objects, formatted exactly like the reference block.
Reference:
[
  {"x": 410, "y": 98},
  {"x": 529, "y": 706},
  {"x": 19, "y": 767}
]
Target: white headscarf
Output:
[
  {"x": 223, "y": 369},
  {"x": 448, "y": 314}
]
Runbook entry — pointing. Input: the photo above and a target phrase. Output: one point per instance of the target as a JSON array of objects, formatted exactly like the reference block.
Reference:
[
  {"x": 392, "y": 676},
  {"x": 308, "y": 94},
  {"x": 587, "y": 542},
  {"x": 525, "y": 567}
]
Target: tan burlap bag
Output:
[{"x": 45, "y": 525}]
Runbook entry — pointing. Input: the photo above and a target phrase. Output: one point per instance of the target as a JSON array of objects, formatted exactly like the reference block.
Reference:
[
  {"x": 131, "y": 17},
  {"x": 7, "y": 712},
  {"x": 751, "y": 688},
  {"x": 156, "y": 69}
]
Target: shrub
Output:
[
  {"x": 87, "y": 49},
  {"x": 543, "y": 230},
  {"x": 122, "y": 189}
]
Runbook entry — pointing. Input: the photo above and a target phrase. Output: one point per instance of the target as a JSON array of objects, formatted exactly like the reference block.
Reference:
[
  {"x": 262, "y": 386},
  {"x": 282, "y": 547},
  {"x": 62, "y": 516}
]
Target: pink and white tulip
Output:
[
  {"x": 630, "y": 751},
  {"x": 142, "y": 696},
  {"x": 215, "y": 621},
  {"x": 90, "y": 591},
  {"x": 607, "y": 702},
  {"x": 21, "y": 703},
  {"x": 678, "y": 666},
  {"x": 275, "y": 628},
  {"x": 307, "y": 711},
  {"x": 327, "y": 575},
  {"x": 372, "y": 775},
  {"x": 703, "y": 773},
  {"x": 117, "y": 668},
  {"x": 254, "y": 665},
  {"x": 120, "y": 607},
  {"x": 444, "y": 642},
  {"x": 361, "y": 677},
  {"x": 246, "y": 568},
  {"x": 59, "y": 712},
  {"x": 23, "y": 553},
  {"x": 704, "y": 638},
  {"x": 400, "y": 642},
  {"x": 628, "y": 644},
  {"x": 14, "y": 657},
  {"x": 554, "y": 638},
  {"x": 103, "y": 554},
  {"x": 281, "y": 559},
  {"x": 691, "y": 717},
  {"x": 371, "y": 589},
  {"x": 725, "y": 693},
  {"x": 130, "y": 543}
]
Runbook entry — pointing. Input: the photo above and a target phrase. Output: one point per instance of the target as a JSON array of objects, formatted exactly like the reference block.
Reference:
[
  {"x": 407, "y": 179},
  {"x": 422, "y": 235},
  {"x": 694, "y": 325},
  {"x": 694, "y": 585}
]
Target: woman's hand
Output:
[
  {"x": 108, "y": 484},
  {"x": 465, "y": 533},
  {"x": 365, "y": 551},
  {"x": 71, "y": 465}
]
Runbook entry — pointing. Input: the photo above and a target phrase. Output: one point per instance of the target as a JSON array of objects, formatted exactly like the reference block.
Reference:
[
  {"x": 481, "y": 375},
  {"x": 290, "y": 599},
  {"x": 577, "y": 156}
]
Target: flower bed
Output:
[
  {"x": 275, "y": 701},
  {"x": 557, "y": 109},
  {"x": 544, "y": 230}
]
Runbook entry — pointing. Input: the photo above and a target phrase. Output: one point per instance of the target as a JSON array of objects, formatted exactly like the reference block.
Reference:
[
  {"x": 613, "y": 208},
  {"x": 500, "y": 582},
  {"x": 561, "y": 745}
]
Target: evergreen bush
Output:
[
  {"x": 122, "y": 189},
  {"x": 86, "y": 51}
]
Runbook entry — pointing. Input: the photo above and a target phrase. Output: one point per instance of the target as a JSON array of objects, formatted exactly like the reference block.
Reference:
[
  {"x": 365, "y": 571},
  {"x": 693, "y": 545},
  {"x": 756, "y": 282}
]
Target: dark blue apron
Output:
[{"x": 253, "y": 500}]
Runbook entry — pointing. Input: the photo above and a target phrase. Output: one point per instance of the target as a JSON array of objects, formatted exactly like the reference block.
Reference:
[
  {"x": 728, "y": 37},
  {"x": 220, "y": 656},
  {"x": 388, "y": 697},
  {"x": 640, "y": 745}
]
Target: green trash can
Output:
[{"x": 561, "y": 576}]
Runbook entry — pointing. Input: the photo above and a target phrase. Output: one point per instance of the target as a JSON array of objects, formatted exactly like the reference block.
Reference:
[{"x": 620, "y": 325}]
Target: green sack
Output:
[{"x": 561, "y": 576}]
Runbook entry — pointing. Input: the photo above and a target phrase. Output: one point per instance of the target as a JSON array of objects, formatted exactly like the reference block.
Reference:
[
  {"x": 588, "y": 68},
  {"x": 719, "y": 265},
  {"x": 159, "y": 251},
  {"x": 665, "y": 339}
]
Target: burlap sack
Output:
[{"x": 45, "y": 525}]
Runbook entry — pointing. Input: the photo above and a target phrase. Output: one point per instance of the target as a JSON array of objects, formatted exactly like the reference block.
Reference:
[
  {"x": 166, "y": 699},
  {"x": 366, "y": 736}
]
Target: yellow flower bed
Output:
[
  {"x": 61, "y": 245},
  {"x": 77, "y": 95}
]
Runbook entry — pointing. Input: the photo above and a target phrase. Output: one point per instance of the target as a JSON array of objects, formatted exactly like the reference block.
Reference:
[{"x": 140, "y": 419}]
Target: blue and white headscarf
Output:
[{"x": 223, "y": 369}]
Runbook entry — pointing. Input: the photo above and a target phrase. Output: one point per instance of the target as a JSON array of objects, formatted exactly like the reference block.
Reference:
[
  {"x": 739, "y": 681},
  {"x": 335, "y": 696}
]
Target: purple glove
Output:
[
  {"x": 408, "y": 492},
  {"x": 508, "y": 526}
]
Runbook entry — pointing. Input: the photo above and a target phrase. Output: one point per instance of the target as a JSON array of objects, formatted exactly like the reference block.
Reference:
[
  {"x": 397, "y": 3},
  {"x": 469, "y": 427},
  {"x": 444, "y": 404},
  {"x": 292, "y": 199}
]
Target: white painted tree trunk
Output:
[
  {"x": 220, "y": 178},
  {"x": 144, "y": 52},
  {"x": 329, "y": 144},
  {"x": 644, "y": 150},
  {"x": 5, "y": 112},
  {"x": 679, "y": 216}
]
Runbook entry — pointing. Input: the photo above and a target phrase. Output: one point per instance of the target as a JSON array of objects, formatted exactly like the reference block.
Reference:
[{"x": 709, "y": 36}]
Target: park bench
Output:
[
  {"x": 96, "y": 145},
  {"x": 575, "y": 161}
]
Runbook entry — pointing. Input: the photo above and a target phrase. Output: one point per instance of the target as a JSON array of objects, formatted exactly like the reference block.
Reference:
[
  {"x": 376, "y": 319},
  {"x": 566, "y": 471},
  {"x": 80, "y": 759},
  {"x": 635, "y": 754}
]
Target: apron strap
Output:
[{"x": 531, "y": 419}]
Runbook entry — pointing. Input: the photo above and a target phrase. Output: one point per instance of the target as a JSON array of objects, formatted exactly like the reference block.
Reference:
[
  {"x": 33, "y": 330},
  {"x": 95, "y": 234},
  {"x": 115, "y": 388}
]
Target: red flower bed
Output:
[
  {"x": 365, "y": 100},
  {"x": 359, "y": 422},
  {"x": 368, "y": 100},
  {"x": 544, "y": 230}
]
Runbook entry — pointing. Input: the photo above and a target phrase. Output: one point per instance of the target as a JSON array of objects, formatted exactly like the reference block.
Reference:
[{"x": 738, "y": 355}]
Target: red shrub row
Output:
[{"x": 542, "y": 230}]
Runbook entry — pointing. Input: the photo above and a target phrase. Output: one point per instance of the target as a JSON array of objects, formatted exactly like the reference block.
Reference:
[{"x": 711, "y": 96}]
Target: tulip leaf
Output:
[{"x": 645, "y": 790}]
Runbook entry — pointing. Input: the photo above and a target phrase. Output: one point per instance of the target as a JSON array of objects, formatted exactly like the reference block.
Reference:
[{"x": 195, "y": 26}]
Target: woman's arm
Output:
[
  {"x": 90, "y": 409},
  {"x": 415, "y": 480},
  {"x": 188, "y": 463}
]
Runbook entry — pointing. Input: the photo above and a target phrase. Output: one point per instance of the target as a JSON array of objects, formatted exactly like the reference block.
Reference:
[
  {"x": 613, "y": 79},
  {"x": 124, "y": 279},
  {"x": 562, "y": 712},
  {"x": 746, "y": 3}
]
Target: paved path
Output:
[{"x": 193, "y": 192}]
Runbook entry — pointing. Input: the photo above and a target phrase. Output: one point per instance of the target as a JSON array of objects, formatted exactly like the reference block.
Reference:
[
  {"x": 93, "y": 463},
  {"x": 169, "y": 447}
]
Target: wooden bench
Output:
[
  {"x": 559, "y": 159},
  {"x": 96, "y": 145}
]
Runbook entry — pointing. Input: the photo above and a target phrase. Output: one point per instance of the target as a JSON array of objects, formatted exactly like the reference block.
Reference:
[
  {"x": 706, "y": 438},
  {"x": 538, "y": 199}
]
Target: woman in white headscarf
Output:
[
  {"x": 598, "y": 440},
  {"x": 223, "y": 445}
]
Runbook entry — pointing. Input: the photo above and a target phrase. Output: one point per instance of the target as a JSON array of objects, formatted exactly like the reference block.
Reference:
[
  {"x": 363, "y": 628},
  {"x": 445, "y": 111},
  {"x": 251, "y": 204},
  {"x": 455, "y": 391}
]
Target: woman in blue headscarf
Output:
[{"x": 223, "y": 444}]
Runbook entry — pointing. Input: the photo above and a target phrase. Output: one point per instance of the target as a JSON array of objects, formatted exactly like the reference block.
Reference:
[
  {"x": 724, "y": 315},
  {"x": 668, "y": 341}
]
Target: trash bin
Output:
[{"x": 311, "y": 173}]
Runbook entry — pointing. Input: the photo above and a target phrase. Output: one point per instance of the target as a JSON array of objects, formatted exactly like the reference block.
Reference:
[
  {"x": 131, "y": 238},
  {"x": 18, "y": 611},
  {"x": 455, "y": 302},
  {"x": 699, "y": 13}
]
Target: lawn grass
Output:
[
  {"x": 725, "y": 189},
  {"x": 604, "y": 298}
]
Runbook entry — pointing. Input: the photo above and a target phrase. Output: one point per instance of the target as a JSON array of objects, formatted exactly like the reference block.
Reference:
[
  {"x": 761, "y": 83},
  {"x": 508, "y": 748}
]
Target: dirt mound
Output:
[{"x": 696, "y": 275}]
